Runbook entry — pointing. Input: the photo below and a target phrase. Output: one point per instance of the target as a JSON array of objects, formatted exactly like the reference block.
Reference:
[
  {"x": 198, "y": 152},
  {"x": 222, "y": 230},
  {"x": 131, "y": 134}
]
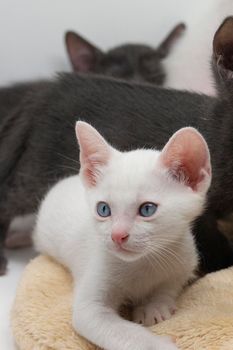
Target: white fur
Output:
[{"x": 162, "y": 258}]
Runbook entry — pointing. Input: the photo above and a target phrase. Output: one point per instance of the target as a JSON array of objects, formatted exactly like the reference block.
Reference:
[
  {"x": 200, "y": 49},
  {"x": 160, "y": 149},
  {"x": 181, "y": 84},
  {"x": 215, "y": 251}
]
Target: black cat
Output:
[
  {"x": 38, "y": 145},
  {"x": 129, "y": 62}
]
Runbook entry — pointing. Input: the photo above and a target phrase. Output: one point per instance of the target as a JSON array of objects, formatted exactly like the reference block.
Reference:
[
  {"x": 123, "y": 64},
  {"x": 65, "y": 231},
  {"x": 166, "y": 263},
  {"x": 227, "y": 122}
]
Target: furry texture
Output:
[
  {"x": 42, "y": 311},
  {"x": 119, "y": 254}
]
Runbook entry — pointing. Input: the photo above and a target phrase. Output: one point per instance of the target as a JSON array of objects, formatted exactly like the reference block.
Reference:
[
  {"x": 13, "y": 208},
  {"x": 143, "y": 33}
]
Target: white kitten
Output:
[{"x": 123, "y": 229}]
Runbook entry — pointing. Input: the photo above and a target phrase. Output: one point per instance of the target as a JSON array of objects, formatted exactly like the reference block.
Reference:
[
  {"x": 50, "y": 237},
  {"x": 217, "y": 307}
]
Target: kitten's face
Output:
[
  {"x": 143, "y": 201},
  {"x": 136, "y": 199},
  {"x": 132, "y": 62}
]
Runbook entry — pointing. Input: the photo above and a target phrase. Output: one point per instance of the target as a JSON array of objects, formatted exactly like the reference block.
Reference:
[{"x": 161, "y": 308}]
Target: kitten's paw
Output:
[{"x": 154, "y": 312}]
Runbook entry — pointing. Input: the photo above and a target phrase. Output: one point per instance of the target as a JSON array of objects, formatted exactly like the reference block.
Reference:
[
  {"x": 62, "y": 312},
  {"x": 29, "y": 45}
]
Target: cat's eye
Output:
[
  {"x": 103, "y": 209},
  {"x": 147, "y": 209}
]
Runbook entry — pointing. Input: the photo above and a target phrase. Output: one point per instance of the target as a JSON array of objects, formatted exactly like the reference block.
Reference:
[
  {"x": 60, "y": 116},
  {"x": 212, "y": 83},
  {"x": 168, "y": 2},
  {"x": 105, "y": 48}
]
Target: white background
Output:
[{"x": 31, "y": 46}]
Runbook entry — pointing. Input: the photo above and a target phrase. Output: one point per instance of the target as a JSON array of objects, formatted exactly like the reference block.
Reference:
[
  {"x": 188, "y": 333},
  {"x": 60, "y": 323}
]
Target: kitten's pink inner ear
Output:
[
  {"x": 186, "y": 155},
  {"x": 94, "y": 152},
  {"x": 83, "y": 55}
]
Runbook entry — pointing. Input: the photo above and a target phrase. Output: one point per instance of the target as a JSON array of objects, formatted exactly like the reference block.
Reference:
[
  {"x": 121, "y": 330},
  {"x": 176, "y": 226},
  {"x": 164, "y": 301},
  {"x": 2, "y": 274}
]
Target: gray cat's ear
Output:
[
  {"x": 166, "y": 45},
  {"x": 223, "y": 49},
  {"x": 82, "y": 54},
  {"x": 95, "y": 152},
  {"x": 187, "y": 158}
]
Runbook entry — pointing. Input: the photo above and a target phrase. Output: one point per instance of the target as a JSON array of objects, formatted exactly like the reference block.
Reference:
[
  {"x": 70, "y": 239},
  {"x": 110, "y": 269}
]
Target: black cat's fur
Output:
[
  {"x": 38, "y": 145},
  {"x": 129, "y": 62}
]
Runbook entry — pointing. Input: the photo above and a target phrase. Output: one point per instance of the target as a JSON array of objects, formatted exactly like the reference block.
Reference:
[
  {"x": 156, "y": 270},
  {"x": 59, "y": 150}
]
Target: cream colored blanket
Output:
[{"x": 41, "y": 315}]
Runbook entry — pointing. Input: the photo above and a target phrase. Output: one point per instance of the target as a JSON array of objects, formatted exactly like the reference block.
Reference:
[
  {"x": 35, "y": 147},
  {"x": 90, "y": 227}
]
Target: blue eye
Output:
[
  {"x": 103, "y": 209},
  {"x": 147, "y": 209}
]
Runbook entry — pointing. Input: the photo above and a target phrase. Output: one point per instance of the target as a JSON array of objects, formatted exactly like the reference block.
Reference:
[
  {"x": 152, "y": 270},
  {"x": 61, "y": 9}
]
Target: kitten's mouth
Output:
[
  {"x": 124, "y": 253},
  {"x": 120, "y": 248}
]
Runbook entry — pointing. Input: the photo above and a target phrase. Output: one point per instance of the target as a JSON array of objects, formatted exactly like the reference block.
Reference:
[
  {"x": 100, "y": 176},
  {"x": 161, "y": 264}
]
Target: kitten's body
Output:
[
  {"x": 73, "y": 242},
  {"x": 126, "y": 257}
]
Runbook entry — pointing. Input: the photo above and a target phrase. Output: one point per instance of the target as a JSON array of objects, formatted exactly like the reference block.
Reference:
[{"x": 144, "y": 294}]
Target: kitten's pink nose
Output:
[{"x": 120, "y": 237}]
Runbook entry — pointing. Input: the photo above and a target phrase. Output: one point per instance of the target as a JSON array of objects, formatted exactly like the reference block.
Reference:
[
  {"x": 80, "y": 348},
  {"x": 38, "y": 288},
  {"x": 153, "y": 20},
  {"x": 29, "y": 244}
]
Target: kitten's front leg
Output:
[
  {"x": 160, "y": 307},
  {"x": 100, "y": 324}
]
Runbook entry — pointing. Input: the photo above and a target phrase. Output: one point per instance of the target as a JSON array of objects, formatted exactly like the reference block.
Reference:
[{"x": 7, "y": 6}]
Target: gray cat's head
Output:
[{"x": 129, "y": 62}]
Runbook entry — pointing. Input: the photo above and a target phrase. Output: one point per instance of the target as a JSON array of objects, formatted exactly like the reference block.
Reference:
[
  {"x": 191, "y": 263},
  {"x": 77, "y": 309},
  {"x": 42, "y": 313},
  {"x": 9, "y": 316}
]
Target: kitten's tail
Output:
[{"x": 166, "y": 45}]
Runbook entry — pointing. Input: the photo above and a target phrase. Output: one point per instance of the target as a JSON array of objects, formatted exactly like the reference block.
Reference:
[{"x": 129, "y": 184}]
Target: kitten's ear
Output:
[
  {"x": 166, "y": 45},
  {"x": 83, "y": 55},
  {"x": 186, "y": 155},
  {"x": 95, "y": 152},
  {"x": 223, "y": 48}
]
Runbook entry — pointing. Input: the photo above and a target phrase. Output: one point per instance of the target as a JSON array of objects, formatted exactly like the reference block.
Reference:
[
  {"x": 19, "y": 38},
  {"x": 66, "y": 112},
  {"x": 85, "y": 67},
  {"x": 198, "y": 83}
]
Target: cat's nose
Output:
[{"x": 120, "y": 237}]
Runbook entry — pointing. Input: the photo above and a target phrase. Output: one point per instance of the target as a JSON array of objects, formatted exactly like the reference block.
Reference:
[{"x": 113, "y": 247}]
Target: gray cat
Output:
[
  {"x": 128, "y": 62},
  {"x": 135, "y": 62}
]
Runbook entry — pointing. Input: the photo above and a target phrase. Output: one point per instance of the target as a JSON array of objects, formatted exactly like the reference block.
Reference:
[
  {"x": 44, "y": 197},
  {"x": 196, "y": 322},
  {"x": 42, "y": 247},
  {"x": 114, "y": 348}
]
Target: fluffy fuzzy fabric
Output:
[{"x": 41, "y": 315}]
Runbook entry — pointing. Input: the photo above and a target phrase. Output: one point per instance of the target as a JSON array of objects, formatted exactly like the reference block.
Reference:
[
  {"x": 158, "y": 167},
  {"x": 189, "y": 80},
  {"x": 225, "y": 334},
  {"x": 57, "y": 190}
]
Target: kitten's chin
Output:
[{"x": 124, "y": 253}]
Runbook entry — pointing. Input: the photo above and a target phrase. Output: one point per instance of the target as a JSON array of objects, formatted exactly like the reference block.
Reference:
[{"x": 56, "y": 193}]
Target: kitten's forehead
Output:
[{"x": 132, "y": 171}]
